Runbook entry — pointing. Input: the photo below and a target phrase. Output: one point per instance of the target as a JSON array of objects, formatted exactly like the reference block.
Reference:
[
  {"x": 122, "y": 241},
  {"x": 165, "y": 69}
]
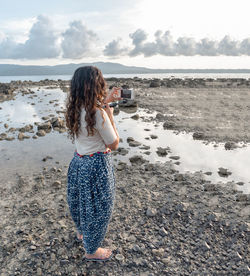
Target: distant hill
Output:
[{"x": 106, "y": 68}]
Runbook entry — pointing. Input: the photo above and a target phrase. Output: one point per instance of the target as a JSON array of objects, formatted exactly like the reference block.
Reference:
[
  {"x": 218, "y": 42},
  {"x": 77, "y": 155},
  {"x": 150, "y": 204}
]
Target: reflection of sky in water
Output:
[
  {"x": 25, "y": 156},
  {"x": 20, "y": 113},
  {"x": 30, "y": 108}
]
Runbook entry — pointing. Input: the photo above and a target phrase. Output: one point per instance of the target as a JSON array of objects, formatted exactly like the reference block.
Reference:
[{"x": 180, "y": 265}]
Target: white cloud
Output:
[
  {"x": 164, "y": 44},
  {"x": 2, "y": 36},
  {"x": 41, "y": 43},
  {"x": 229, "y": 47},
  {"x": 114, "y": 48},
  {"x": 78, "y": 41},
  {"x": 245, "y": 46}
]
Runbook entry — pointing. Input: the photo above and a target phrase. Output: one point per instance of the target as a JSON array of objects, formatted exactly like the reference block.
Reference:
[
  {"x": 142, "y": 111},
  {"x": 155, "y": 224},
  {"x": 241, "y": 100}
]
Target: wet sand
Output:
[
  {"x": 164, "y": 222},
  {"x": 221, "y": 114}
]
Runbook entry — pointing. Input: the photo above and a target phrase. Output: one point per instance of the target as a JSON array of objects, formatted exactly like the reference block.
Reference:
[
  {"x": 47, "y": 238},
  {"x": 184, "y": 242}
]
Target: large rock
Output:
[
  {"x": 41, "y": 132},
  {"x": 198, "y": 135},
  {"x": 22, "y": 136},
  {"x": 230, "y": 145},
  {"x": 26, "y": 128},
  {"x": 169, "y": 125},
  {"x": 57, "y": 122},
  {"x": 155, "y": 83},
  {"x": 224, "y": 172},
  {"x": 6, "y": 89},
  {"x": 44, "y": 126},
  {"x": 134, "y": 144},
  {"x": 137, "y": 159},
  {"x": 162, "y": 151}
]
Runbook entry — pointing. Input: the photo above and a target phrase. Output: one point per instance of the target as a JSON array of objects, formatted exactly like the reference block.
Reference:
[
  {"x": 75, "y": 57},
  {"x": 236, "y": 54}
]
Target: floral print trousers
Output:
[{"x": 90, "y": 196}]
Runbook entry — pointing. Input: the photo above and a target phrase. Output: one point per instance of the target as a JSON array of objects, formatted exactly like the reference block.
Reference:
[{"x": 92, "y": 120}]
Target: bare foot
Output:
[
  {"x": 101, "y": 253},
  {"x": 80, "y": 237}
]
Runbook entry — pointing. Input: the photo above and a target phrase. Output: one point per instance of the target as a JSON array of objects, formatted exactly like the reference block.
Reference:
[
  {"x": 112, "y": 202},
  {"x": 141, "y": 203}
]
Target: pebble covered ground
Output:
[{"x": 164, "y": 223}]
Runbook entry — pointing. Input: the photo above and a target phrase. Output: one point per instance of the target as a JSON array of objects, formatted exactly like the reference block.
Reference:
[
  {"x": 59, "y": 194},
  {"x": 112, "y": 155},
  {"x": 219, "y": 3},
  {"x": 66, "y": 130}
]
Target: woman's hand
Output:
[
  {"x": 109, "y": 110},
  {"x": 114, "y": 95}
]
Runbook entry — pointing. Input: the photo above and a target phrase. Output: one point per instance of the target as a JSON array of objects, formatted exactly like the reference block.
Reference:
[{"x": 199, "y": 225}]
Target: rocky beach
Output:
[{"x": 165, "y": 221}]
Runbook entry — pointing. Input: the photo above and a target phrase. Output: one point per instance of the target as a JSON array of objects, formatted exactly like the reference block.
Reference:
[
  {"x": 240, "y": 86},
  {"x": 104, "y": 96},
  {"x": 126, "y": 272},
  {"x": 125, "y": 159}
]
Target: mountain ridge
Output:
[{"x": 105, "y": 67}]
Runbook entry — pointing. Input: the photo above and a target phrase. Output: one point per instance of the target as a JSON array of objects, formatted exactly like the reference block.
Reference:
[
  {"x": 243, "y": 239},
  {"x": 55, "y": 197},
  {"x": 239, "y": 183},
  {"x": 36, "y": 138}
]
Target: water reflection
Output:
[{"x": 26, "y": 156}]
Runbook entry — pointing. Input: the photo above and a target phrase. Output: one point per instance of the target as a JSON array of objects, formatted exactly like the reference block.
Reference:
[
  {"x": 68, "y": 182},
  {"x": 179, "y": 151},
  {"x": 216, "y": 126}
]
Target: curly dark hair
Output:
[{"x": 87, "y": 90}]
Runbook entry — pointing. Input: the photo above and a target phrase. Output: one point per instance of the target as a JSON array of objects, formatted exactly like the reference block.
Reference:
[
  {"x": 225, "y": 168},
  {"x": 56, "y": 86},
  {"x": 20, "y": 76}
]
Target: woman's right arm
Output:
[{"x": 109, "y": 110}]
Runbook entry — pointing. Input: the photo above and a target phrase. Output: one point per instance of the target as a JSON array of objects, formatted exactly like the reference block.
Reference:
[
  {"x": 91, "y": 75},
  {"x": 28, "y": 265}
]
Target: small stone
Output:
[
  {"x": 134, "y": 144},
  {"x": 9, "y": 138},
  {"x": 160, "y": 116},
  {"x": 224, "y": 172},
  {"x": 153, "y": 136},
  {"x": 41, "y": 132},
  {"x": 241, "y": 197},
  {"x": 39, "y": 271},
  {"x": 179, "y": 177},
  {"x": 57, "y": 184},
  {"x": 158, "y": 252},
  {"x": 198, "y": 135},
  {"x": 122, "y": 151},
  {"x": 161, "y": 151},
  {"x": 136, "y": 248},
  {"x": 20, "y": 136},
  {"x": 174, "y": 157},
  {"x": 205, "y": 245},
  {"x": 46, "y": 118},
  {"x": 60, "y": 251},
  {"x": 135, "y": 117},
  {"x": 44, "y": 126},
  {"x": 131, "y": 238},
  {"x": 145, "y": 147},
  {"x": 155, "y": 83},
  {"x": 169, "y": 125},
  {"x": 230, "y": 145},
  {"x": 119, "y": 257},
  {"x": 208, "y": 173},
  {"x": 6, "y": 125},
  {"x": 129, "y": 139},
  {"x": 137, "y": 159},
  {"x": 26, "y": 128},
  {"x": 163, "y": 232},
  {"x": 151, "y": 212},
  {"x": 46, "y": 158},
  {"x": 210, "y": 187},
  {"x": 119, "y": 167}
]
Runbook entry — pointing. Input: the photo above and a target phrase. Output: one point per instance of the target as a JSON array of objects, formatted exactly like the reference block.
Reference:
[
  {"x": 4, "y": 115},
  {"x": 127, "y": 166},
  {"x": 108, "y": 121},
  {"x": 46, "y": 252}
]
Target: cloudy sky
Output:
[{"x": 149, "y": 33}]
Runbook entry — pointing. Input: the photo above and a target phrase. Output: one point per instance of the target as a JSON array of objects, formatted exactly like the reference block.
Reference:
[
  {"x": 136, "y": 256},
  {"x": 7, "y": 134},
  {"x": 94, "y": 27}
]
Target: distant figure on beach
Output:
[{"x": 91, "y": 179}]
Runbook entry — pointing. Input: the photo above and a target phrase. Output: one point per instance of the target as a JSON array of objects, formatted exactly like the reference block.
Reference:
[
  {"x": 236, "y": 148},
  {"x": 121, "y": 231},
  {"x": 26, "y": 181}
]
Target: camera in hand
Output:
[{"x": 127, "y": 94}]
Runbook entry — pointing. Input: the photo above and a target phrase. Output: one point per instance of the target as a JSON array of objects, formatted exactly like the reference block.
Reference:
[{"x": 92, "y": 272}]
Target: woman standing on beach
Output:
[{"x": 91, "y": 179}]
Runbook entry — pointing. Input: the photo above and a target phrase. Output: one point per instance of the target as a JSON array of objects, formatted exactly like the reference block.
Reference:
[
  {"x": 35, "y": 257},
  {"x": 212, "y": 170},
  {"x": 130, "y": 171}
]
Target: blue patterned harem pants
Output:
[{"x": 90, "y": 196}]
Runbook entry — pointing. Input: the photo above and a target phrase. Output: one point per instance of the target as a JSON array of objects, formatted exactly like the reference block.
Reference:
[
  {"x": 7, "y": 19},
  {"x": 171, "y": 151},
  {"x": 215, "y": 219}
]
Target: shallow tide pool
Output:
[{"x": 25, "y": 157}]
